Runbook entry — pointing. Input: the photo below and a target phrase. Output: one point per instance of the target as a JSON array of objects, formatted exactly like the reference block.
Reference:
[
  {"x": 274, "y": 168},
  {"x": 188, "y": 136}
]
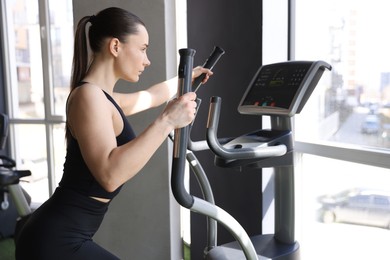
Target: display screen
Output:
[{"x": 276, "y": 85}]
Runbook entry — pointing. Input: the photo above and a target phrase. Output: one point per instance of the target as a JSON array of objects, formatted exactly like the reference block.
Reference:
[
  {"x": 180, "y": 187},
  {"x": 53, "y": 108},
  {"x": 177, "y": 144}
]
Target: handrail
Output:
[{"x": 233, "y": 153}]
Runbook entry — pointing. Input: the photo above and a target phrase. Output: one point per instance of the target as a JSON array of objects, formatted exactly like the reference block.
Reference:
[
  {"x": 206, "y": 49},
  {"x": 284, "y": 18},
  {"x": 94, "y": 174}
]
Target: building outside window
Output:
[
  {"x": 38, "y": 55},
  {"x": 343, "y": 192}
]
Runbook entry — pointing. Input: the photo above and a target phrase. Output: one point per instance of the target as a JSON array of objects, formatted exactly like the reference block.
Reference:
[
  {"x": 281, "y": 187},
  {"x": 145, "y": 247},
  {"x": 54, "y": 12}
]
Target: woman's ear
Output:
[{"x": 114, "y": 46}]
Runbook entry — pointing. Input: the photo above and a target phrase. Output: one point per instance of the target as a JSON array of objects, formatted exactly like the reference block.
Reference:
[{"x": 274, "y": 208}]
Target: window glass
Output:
[
  {"x": 337, "y": 215},
  {"x": 26, "y": 68},
  {"x": 23, "y": 18},
  {"x": 352, "y": 102},
  {"x": 61, "y": 33},
  {"x": 31, "y": 147},
  {"x": 36, "y": 110},
  {"x": 59, "y": 143}
]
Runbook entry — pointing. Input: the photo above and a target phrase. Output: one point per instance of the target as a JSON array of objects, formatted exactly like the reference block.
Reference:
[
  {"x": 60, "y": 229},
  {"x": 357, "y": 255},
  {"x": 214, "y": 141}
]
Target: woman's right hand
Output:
[{"x": 181, "y": 111}]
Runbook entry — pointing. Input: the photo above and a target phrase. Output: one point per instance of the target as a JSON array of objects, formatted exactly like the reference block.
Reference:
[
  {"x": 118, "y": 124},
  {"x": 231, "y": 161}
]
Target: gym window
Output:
[
  {"x": 38, "y": 48},
  {"x": 343, "y": 133}
]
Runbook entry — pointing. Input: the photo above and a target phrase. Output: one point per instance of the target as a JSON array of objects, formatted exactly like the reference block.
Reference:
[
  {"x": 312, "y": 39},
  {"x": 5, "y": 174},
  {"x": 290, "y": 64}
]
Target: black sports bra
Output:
[{"x": 76, "y": 174}]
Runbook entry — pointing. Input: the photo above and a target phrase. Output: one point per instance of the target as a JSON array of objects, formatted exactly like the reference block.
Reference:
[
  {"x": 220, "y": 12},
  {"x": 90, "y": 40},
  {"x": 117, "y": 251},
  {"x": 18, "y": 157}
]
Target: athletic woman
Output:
[{"x": 102, "y": 150}]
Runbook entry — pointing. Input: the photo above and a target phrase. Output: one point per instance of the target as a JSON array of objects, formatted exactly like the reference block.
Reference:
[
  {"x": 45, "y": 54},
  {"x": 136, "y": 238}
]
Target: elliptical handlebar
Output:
[
  {"x": 209, "y": 64},
  {"x": 214, "y": 57},
  {"x": 181, "y": 135},
  {"x": 234, "y": 153}
]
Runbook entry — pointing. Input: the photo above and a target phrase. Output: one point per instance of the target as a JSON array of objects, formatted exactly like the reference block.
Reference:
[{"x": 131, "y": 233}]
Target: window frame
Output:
[
  {"x": 50, "y": 119},
  {"x": 352, "y": 153}
]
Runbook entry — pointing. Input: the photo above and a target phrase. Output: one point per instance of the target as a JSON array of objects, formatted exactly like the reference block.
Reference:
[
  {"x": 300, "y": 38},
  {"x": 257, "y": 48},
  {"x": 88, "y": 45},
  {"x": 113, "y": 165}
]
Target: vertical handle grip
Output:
[
  {"x": 182, "y": 134},
  {"x": 209, "y": 64}
]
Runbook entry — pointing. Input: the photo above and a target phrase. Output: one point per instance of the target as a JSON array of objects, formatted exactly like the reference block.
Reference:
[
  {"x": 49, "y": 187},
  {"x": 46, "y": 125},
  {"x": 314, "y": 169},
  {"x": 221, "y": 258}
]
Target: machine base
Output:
[{"x": 266, "y": 247}]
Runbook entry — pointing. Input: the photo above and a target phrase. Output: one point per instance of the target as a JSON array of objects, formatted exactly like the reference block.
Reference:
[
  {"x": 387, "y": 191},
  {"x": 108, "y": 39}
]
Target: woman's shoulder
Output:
[
  {"x": 86, "y": 96},
  {"x": 87, "y": 91},
  {"x": 87, "y": 88}
]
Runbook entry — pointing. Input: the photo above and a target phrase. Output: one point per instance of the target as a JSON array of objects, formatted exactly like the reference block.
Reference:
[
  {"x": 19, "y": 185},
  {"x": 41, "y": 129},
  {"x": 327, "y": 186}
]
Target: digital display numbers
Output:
[{"x": 276, "y": 86}]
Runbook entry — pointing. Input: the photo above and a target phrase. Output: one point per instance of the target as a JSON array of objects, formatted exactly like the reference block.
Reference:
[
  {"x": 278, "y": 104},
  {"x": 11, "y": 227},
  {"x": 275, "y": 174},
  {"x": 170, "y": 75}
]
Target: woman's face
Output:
[{"x": 132, "y": 58}]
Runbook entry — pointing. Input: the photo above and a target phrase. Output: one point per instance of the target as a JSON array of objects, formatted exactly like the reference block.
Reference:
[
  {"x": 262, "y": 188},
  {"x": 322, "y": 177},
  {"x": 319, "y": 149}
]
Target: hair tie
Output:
[{"x": 92, "y": 19}]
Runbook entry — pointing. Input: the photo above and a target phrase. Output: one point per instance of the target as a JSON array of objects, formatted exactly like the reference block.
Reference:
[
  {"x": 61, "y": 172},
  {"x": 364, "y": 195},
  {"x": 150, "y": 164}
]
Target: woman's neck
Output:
[{"x": 101, "y": 74}]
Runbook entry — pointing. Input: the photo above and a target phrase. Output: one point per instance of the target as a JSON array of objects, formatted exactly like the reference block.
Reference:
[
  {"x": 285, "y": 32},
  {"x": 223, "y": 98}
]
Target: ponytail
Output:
[
  {"x": 80, "y": 53},
  {"x": 80, "y": 61}
]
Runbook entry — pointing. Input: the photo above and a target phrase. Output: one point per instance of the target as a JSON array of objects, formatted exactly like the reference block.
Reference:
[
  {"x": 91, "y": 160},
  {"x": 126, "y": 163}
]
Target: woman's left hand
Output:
[{"x": 199, "y": 70}]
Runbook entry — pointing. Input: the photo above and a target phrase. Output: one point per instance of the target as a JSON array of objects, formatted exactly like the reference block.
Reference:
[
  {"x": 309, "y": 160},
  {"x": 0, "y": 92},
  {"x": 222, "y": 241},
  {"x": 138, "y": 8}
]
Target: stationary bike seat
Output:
[{"x": 9, "y": 177}]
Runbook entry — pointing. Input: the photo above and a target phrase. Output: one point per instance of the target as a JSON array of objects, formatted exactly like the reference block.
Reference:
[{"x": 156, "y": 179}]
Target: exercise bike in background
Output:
[{"x": 15, "y": 203}]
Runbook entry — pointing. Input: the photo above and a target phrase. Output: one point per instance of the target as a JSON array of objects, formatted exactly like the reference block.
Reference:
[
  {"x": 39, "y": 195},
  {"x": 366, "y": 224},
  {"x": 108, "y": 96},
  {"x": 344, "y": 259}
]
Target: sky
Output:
[{"x": 372, "y": 34}]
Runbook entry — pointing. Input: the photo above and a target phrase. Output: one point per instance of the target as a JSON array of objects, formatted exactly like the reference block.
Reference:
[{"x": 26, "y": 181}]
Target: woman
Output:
[{"x": 102, "y": 149}]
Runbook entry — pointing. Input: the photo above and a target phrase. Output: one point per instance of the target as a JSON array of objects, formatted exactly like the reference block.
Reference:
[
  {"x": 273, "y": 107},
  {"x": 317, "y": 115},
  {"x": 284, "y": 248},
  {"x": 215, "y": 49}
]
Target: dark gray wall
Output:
[{"x": 236, "y": 27}]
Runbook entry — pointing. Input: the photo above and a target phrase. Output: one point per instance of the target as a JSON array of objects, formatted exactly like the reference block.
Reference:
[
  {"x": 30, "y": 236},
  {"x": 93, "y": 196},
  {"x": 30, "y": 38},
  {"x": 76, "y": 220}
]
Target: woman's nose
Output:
[{"x": 147, "y": 62}]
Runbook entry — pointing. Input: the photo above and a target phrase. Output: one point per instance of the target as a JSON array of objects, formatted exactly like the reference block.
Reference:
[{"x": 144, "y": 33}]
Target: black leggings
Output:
[{"x": 62, "y": 228}]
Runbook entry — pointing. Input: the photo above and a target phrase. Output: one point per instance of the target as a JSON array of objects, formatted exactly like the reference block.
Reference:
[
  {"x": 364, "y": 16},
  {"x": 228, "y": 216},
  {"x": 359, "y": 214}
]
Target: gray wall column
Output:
[{"x": 143, "y": 220}]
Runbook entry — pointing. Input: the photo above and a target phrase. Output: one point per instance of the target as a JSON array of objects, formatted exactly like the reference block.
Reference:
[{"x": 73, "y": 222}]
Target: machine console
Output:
[{"x": 281, "y": 88}]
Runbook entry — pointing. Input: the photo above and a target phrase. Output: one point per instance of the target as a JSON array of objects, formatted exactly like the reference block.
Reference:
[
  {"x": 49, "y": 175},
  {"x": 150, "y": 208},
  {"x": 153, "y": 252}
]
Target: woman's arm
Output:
[
  {"x": 95, "y": 122},
  {"x": 156, "y": 95}
]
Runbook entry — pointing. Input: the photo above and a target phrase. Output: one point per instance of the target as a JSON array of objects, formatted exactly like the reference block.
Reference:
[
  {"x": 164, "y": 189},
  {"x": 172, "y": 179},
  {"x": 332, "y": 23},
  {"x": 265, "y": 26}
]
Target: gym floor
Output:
[{"x": 7, "y": 249}]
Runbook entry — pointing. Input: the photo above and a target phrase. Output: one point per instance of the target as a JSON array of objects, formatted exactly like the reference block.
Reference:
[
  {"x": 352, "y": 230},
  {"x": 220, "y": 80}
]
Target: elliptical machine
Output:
[{"x": 279, "y": 91}]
